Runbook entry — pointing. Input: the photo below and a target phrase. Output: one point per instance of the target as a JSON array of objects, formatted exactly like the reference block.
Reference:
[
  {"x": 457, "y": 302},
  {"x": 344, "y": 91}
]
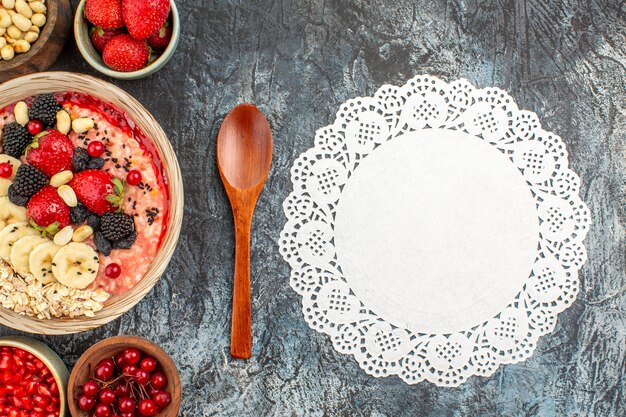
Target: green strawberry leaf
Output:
[{"x": 50, "y": 230}]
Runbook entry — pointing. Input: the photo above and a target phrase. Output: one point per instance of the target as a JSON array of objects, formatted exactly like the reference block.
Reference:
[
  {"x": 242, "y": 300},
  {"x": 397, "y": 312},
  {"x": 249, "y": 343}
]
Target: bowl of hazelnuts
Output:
[{"x": 32, "y": 35}]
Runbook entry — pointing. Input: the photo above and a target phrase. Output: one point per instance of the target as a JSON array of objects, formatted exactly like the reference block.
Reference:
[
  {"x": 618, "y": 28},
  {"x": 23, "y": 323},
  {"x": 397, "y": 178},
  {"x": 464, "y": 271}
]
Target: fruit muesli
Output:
[{"x": 83, "y": 205}]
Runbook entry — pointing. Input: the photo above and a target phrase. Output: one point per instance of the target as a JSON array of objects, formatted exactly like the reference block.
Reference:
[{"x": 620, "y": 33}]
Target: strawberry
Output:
[
  {"x": 98, "y": 190},
  {"x": 48, "y": 211},
  {"x": 100, "y": 37},
  {"x": 51, "y": 152},
  {"x": 144, "y": 17},
  {"x": 124, "y": 53},
  {"x": 161, "y": 38},
  {"x": 104, "y": 13}
]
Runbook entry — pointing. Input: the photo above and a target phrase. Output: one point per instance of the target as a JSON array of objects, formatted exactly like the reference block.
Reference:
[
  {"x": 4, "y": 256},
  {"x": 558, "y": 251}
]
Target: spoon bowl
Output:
[{"x": 244, "y": 157}]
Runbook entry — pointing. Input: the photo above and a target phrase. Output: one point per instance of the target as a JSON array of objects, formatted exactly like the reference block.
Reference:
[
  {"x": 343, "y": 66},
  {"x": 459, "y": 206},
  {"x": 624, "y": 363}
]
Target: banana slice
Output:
[
  {"x": 75, "y": 265},
  {"x": 10, "y": 213},
  {"x": 11, "y": 234},
  {"x": 20, "y": 253},
  {"x": 40, "y": 261},
  {"x": 5, "y": 182}
]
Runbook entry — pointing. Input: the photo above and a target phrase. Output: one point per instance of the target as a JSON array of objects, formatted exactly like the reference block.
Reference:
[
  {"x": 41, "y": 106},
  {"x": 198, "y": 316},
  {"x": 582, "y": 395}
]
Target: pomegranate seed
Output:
[{"x": 6, "y": 170}]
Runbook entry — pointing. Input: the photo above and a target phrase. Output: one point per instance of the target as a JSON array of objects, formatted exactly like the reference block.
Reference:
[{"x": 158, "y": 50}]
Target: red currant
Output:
[
  {"x": 6, "y": 170},
  {"x": 102, "y": 410},
  {"x": 90, "y": 388},
  {"x": 126, "y": 405},
  {"x": 148, "y": 364},
  {"x": 113, "y": 271},
  {"x": 148, "y": 408},
  {"x": 131, "y": 414},
  {"x": 129, "y": 370},
  {"x": 107, "y": 396},
  {"x": 107, "y": 362},
  {"x": 119, "y": 360},
  {"x": 162, "y": 399},
  {"x": 34, "y": 127},
  {"x": 132, "y": 356},
  {"x": 158, "y": 380},
  {"x": 86, "y": 403},
  {"x": 95, "y": 148},
  {"x": 122, "y": 390},
  {"x": 103, "y": 372},
  {"x": 133, "y": 177},
  {"x": 142, "y": 377}
]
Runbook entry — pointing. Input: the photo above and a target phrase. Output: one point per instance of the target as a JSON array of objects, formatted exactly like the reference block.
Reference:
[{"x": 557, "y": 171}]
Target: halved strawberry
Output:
[
  {"x": 104, "y": 13},
  {"x": 100, "y": 37},
  {"x": 144, "y": 17},
  {"x": 98, "y": 190},
  {"x": 48, "y": 211},
  {"x": 51, "y": 152}
]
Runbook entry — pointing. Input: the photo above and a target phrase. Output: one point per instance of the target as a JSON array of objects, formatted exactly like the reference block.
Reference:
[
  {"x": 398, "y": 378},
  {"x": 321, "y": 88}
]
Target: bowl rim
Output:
[
  {"x": 47, "y": 82},
  {"x": 88, "y": 52},
  {"x": 45, "y": 354},
  {"x": 52, "y": 14},
  {"x": 138, "y": 342}
]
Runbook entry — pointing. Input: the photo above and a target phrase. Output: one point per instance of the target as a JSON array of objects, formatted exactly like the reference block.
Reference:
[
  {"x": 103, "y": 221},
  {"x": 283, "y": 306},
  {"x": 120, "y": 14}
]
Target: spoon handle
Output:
[{"x": 241, "y": 334}]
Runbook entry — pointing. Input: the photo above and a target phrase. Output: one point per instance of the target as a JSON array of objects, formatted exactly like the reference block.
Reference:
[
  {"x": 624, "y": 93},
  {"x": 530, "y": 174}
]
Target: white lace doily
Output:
[{"x": 435, "y": 231}]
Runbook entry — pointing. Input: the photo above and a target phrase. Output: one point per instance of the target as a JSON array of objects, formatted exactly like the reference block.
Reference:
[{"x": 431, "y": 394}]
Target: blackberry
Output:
[
  {"x": 93, "y": 220},
  {"x": 95, "y": 163},
  {"x": 116, "y": 226},
  {"x": 15, "y": 198},
  {"x": 125, "y": 243},
  {"x": 78, "y": 214},
  {"x": 44, "y": 109},
  {"x": 15, "y": 139},
  {"x": 80, "y": 159},
  {"x": 102, "y": 244},
  {"x": 28, "y": 180}
]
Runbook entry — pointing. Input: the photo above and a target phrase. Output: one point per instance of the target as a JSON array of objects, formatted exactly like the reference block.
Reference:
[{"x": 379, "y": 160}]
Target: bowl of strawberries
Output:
[{"x": 127, "y": 39}]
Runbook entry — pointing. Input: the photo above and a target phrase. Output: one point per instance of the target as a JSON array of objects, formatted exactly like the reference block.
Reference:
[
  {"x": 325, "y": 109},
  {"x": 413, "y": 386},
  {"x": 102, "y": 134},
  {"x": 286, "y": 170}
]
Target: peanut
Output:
[
  {"x": 34, "y": 28},
  {"x": 5, "y": 19},
  {"x": 7, "y": 52},
  {"x": 64, "y": 236},
  {"x": 22, "y": 23},
  {"x": 9, "y": 4},
  {"x": 23, "y": 8},
  {"x": 61, "y": 178},
  {"x": 64, "y": 123},
  {"x": 21, "y": 46},
  {"x": 38, "y": 19},
  {"x": 37, "y": 7},
  {"x": 31, "y": 37},
  {"x": 82, "y": 233},
  {"x": 3, "y": 42},
  {"x": 68, "y": 195},
  {"x": 21, "y": 113},
  {"x": 14, "y": 32},
  {"x": 82, "y": 124}
]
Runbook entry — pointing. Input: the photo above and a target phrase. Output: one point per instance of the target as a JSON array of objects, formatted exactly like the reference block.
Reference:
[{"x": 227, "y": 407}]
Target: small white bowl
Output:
[{"x": 94, "y": 58}]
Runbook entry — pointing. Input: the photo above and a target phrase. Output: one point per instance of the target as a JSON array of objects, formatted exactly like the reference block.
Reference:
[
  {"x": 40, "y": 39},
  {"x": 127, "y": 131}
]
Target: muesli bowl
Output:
[{"x": 103, "y": 222}]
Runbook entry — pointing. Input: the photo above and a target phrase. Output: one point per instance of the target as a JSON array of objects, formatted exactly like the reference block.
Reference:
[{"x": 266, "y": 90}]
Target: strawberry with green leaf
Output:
[
  {"x": 98, "y": 190},
  {"x": 50, "y": 152}
]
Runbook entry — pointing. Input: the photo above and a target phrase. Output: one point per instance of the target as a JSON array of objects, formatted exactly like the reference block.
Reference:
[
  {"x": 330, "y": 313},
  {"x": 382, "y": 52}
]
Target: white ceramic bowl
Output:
[{"x": 94, "y": 58}]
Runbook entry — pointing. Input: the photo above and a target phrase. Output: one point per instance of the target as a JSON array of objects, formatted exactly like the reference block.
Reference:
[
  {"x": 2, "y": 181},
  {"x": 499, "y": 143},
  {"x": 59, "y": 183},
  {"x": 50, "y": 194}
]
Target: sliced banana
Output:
[
  {"x": 20, "y": 253},
  {"x": 40, "y": 261},
  {"x": 10, "y": 213},
  {"x": 75, "y": 265},
  {"x": 5, "y": 182},
  {"x": 11, "y": 234}
]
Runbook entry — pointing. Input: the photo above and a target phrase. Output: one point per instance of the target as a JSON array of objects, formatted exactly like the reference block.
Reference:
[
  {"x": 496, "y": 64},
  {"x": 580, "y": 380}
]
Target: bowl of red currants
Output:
[
  {"x": 33, "y": 379},
  {"x": 124, "y": 376}
]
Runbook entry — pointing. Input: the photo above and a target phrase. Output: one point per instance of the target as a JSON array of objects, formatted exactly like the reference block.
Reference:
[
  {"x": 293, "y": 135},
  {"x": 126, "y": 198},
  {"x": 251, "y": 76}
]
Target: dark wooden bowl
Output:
[
  {"x": 45, "y": 50},
  {"x": 108, "y": 348}
]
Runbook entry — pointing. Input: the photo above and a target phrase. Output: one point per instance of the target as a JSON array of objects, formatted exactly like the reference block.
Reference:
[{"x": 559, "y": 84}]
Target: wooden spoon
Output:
[{"x": 244, "y": 156}]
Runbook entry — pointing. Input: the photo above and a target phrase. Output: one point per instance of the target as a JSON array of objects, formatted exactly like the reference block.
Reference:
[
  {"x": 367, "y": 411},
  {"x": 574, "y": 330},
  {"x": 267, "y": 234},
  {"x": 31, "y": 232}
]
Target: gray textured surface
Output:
[{"x": 298, "y": 60}]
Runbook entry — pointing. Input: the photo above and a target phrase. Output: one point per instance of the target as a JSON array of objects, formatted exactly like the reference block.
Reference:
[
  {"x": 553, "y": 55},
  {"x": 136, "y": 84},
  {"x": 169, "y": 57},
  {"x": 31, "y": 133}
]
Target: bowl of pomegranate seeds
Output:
[
  {"x": 127, "y": 39},
  {"x": 124, "y": 376},
  {"x": 33, "y": 379}
]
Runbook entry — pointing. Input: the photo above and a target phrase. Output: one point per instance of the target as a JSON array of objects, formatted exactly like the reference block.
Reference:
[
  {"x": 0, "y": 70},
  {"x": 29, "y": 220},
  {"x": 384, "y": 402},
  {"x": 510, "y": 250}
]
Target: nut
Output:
[
  {"x": 61, "y": 178},
  {"x": 64, "y": 236},
  {"x": 31, "y": 37},
  {"x": 21, "y": 113},
  {"x": 82, "y": 124},
  {"x": 38, "y": 19},
  {"x": 64, "y": 123},
  {"x": 5, "y": 19},
  {"x": 8, "y": 4},
  {"x": 10, "y": 40},
  {"x": 68, "y": 195},
  {"x": 82, "y": 233},
  {"x": 34, "y": 28},
  {"x": 23, "y": 8},
  {"x": 37, "y": 7},
  {"x": 21, "y": 46},
  {"x": 7, "y": 52},
  {"x": 14, "y": 32},
  {"x": 2, "y": 32},
  {"x": 3, "y": 42},
  {"x": 22, "y": 23}
]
